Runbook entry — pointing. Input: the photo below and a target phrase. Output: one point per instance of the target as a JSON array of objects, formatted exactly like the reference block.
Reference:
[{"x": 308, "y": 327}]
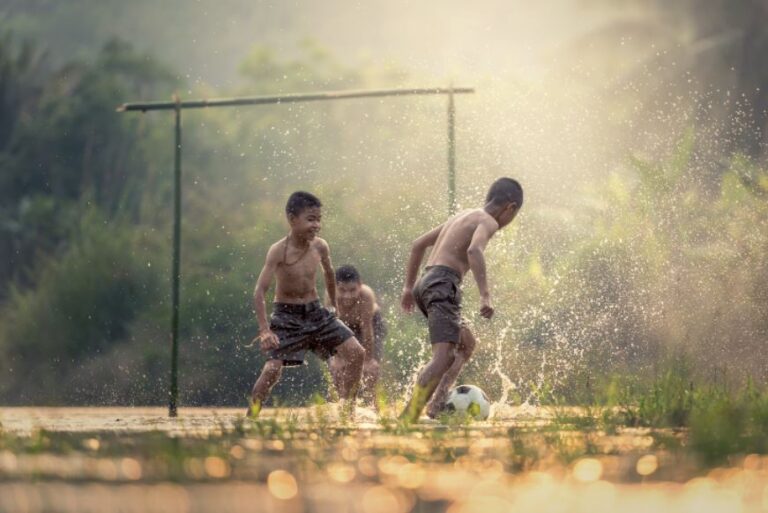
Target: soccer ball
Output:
[{"x": 469, "y": 399}]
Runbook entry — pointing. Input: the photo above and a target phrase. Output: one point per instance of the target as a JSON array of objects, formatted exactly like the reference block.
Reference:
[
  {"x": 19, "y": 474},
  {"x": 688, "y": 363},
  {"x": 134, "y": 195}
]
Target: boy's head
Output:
[
  {"x": 505, "y": 196},
  {"x": 304, "y": 215},
  {"x": 348, "y": 284}
]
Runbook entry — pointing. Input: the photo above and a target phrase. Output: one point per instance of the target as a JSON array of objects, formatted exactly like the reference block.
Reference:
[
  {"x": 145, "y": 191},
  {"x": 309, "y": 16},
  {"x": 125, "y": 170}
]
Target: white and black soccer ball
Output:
[{"x": 470, "y": 400}]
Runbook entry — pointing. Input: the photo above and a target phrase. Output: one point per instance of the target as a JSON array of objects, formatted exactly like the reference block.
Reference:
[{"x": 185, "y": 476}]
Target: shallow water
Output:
[{"x": 137, "y": 459}]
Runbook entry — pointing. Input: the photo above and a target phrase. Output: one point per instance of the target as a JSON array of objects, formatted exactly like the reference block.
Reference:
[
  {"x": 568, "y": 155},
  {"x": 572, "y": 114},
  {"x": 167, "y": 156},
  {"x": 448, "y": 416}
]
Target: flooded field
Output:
[{"x": 302, "y": 460}]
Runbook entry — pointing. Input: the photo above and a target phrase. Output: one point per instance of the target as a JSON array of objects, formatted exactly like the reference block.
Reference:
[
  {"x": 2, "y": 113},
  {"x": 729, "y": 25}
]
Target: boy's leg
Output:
[
  {"x": 270, "y": 374},
  {"x": 372, "y": 364},
  {"x": 349, "y": 355},
  {"x": 335, "y": 367},
  {"x": 370, "y": 378},
  {"x": 463, "y": 353},
  {"x": 443, "y": 355}
]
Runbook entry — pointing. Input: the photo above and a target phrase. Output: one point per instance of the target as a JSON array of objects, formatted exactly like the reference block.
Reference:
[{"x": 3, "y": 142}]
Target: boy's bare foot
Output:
[
  {"x": 254, "y": 408},
  {"x": 347, "y": 409},
  {"x": 435, "y": 410}
]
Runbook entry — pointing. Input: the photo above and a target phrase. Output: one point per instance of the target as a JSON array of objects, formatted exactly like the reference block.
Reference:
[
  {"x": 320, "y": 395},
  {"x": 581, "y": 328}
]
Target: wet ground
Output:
[{"x": 310, "y": 460}]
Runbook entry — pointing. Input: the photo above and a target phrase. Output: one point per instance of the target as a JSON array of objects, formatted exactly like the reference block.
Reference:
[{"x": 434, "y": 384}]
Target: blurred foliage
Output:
[
  {"x": 666, "y": 266},
  {"x": 657, "y": 258},
  {"x": 65, "y": 146},
  {"x": 83, "y": 301}
]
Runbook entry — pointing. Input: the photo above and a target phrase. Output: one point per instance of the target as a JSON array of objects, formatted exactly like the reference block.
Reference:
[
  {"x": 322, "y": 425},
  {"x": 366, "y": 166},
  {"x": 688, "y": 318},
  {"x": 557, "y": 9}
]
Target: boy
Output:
[
  {"x": 299, "y": 322},
  {"x": 358, "y": 309},
  {"x": 458, "y": 247}
]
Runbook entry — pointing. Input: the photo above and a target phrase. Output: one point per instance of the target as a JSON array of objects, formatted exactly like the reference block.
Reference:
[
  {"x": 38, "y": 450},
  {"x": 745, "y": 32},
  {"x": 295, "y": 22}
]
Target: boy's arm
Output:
[
  {"x": 480, "y": 238},
  {"x": 328, "y": 274},
  {"x": 268, "y": 340},
  {"x": 418, "y": 248}
]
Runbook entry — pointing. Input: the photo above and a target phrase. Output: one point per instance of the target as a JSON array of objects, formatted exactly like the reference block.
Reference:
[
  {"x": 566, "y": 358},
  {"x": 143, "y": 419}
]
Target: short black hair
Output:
[
  {"x": 300, "y": 200},
  {"x": 347, "y": 273},
  {"x": 505, "y": 190}
]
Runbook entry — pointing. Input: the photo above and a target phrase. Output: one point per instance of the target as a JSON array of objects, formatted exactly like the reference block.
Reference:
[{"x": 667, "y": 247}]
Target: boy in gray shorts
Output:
[
  {"x": 299, "y": 322},
  {"x": 358, "y": 308},
  {"x": 458, "y": 246}
]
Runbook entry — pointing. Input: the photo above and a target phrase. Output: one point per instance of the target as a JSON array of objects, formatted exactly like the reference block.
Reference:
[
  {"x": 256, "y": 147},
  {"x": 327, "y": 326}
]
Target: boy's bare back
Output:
[
  {"x": 459, "y": 243},
  {"x": 456, "y": 235}
]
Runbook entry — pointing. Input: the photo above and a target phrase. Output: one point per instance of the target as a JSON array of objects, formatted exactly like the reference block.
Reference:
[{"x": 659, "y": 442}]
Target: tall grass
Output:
[{"x": 717, "y": 418}]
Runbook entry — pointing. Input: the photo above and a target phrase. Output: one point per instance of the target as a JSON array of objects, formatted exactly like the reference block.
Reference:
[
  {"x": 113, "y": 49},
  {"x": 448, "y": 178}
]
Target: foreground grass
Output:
[
  {"x": 314, "y": 439},
  {"x": 314, "y": 460},
  {"x": 711, "y": 422}
]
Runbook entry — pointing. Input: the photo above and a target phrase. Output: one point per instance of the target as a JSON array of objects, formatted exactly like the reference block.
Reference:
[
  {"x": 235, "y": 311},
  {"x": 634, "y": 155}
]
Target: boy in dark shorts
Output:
[
  {"x": 357, "y": 308},
  {"x": 458, "y": 246},
  {"x": 299, "y": 321}
]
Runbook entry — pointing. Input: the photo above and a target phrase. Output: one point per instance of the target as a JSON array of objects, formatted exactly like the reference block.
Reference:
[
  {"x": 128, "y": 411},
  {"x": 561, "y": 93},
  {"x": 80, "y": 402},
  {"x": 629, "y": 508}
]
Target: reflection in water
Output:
[{"x": 307, "y": 460}]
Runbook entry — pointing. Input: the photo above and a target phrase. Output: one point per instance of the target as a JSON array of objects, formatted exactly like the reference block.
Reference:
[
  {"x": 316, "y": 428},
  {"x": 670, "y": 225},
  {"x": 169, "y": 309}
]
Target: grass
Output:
[
  {"x": 429, "y": 466},
  {"x": 432, "y": 465},
  {"x": 695, "y": 426},
  {"x": 708, "y": 421}
]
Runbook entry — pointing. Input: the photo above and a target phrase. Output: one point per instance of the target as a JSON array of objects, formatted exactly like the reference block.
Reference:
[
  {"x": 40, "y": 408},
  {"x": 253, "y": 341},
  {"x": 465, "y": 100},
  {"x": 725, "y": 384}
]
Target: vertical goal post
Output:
[{"x": 177, "y": 105}]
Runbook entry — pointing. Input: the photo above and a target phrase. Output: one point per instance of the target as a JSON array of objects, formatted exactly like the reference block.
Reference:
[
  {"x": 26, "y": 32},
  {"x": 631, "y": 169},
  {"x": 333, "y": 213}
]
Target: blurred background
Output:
[{"x": 637, "y": 128}]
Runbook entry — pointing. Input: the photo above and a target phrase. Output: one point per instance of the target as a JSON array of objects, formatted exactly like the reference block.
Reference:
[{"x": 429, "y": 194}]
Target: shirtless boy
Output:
[
  {"x": 357, "y": 308},
  {"x": 299, "y": 322},
  {"x": 459, "y": 244}
]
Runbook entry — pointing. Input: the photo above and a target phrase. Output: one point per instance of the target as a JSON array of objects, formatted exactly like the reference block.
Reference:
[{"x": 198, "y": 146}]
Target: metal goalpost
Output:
[{"x": 177, "y": 105}]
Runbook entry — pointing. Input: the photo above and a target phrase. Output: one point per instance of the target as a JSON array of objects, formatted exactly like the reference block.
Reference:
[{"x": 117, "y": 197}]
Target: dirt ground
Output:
[{"x": 311, "y": 460}]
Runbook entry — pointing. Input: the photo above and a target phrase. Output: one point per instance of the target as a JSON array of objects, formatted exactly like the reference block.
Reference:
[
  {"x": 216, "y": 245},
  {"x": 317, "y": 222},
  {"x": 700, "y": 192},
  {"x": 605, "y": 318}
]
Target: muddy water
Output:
[{"x": 137, "y": 459}]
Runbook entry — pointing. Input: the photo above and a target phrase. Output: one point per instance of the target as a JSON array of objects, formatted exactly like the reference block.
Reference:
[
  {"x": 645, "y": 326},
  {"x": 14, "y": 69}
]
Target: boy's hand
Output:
[
  {"x": 406, "y": 301},
  {"x": 268, "y": 340},
  {"x": 486, "y": 309}
]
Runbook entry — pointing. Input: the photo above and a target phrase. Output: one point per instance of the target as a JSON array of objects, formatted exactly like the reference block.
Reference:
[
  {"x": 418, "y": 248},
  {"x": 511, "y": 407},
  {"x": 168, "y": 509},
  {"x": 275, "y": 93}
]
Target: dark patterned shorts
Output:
[
  {"x": 302, "y": 327},
  {"x": 438, "y": 296}
]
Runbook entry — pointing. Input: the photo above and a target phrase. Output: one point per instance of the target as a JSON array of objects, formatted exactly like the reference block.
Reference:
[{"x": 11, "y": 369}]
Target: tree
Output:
[{"x": 62, "y": 143}]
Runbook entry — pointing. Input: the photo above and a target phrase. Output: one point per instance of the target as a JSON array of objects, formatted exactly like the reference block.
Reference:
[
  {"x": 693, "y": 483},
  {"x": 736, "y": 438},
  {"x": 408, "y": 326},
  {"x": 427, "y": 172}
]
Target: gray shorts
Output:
[
  {"x": 438, "y": 296},
  {"x": 302, "y": 327}
]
